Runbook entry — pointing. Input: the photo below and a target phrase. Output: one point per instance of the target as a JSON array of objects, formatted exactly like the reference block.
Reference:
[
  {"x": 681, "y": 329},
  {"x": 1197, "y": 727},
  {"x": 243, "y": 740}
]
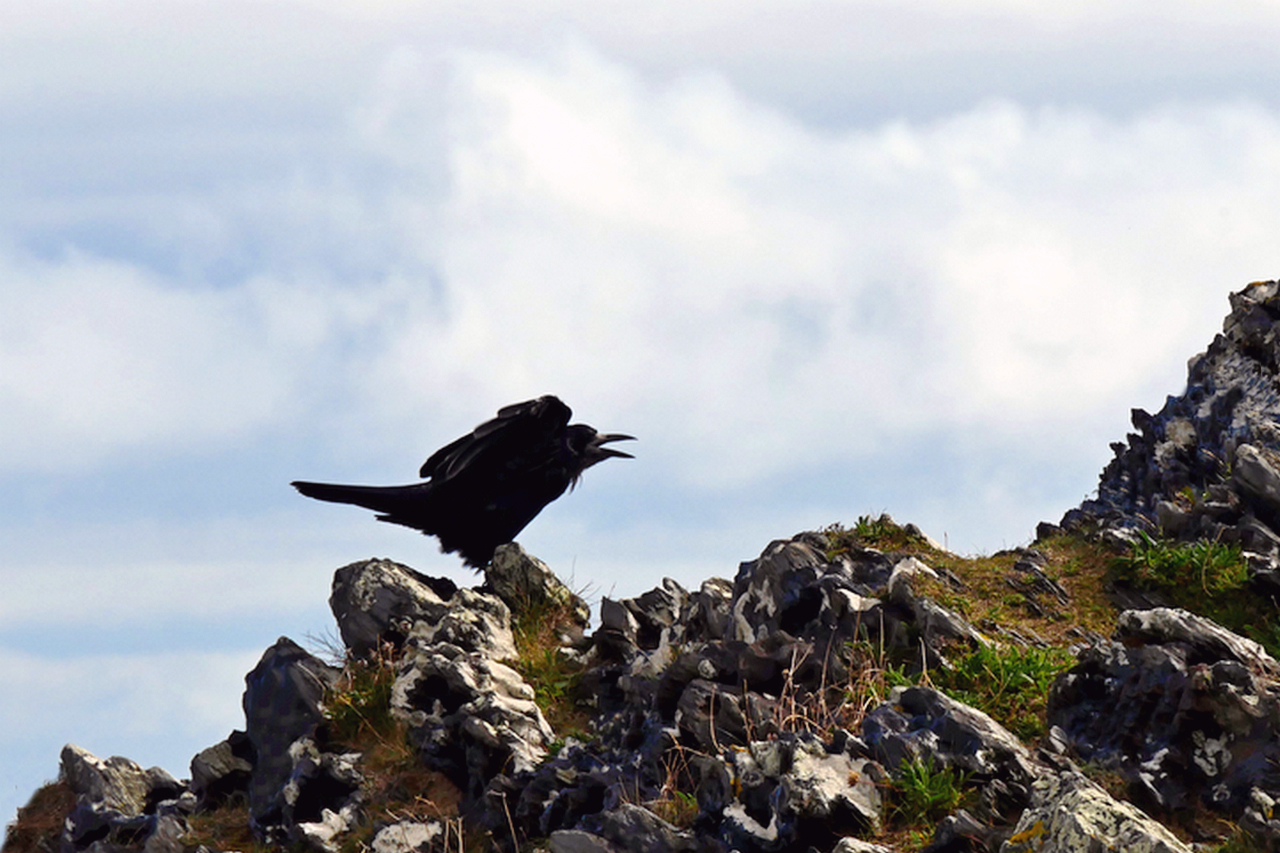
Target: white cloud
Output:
[{"x": 674, "y": 256}]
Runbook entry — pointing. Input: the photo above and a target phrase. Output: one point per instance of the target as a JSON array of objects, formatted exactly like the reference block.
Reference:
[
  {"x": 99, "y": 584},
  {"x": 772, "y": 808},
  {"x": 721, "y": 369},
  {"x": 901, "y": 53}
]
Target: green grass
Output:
[
  {"x": 1009, "y": 684},
  {"x": 1187, "y": 570},
  {"x": 555, "y": 677},
  {"x": 925, "y": 792},
  {"x": 360, "y": 704},
  {"x": 1205, "y": 577}
]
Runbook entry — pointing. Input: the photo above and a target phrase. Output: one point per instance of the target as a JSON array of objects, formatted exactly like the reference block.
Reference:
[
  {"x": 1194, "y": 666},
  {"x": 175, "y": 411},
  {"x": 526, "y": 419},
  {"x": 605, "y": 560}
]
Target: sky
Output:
[{"x": 824, "y": 259}]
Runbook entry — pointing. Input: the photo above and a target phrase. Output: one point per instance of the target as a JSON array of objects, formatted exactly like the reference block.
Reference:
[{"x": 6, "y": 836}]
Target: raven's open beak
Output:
[{"x": 605, "y": 452}]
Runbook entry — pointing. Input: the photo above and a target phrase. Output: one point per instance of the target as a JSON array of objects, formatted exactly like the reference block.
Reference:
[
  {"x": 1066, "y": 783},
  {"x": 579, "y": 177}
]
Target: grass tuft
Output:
[
  {"x": 38, "y": 826},
  {"x": 925, "y": 792}
]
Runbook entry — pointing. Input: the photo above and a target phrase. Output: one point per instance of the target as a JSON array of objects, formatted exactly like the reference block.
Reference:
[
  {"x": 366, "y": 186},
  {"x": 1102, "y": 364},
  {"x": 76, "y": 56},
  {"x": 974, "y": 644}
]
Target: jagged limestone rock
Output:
[
  {"x": 472, "y": 621},
  {"x": 376, "y": 601},
  {"x": 283, "y": 701},
  {"x": 1070, "y": 814},
  {"x": 222, "y": 770},
  {"x": 1207, "y": 465},
  {"x": 920, "y": 723},
  {"x": 577, "y": 841},
  {"x": 322, "y": 798},
  {"x": 526, "y": 583},
  {"x": 116, "y": 783},
  {"x": 1186, "y": 711},
  {"x": 472, "y": 716},
  {"x": 118, "y": 803},
  {"x": 408, "y": 836},
  {"x": 634, "y": 829}
]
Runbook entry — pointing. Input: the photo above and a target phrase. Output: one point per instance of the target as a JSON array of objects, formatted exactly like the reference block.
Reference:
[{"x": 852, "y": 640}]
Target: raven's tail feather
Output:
[{"x": 387, "y": 499}]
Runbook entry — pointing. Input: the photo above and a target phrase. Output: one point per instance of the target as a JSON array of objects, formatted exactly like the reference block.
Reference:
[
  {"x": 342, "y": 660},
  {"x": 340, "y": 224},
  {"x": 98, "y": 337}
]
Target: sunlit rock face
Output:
[{"x": 1207, "y": 465}]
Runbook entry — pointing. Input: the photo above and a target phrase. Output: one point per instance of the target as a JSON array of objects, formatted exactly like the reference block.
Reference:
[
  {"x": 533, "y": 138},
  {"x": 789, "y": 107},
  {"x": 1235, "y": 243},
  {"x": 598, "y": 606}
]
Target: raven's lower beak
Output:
[{"x": 606, "y": 452}]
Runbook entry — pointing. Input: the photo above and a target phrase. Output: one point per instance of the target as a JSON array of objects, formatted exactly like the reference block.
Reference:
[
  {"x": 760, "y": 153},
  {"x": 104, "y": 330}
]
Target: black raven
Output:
[{"x": 482, "y": 489}]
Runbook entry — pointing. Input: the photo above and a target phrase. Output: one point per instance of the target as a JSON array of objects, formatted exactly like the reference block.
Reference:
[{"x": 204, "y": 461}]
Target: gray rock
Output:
[
  {"x": 857, "y": 845},
  {"x": 795, "y": 791},
  {"x": 408, "y": 836},
  {"x": 709, "y": 610},
  {"x": 830, "y": 791},
  {"x": 526, "y": 583},
  {"x": 472, "y": 621},
  {"x": 117, "y": 804},
  {"x": 577, "y": 841},
  {"x": 1206, "y": 639},
  {"x": 223, "y": 769},
  {"x": 633, "y": 829},
  {"x": 321, "y": 799},
  {"x": 778, "y": 591},
  {"x": 115, "y": 783},
  {"x": 378, "y": 601},
  {"x": 167, "y": 836},
  {"x": 1255, "y": 473},
  {"x": 282, "y": 702},
  {"x": 1070, "y": 814},
  {"x": 1187, "y": 712},
  {"x": 472, "y": 716},
  {"x": 1207, "y": 465},
  {"x": 658, "y": 614},
  {"x": 923, "y": 723}
]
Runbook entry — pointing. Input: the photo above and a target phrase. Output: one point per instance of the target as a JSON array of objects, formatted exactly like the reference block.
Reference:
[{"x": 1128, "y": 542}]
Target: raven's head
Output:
[{"x": 587, "y": 447}]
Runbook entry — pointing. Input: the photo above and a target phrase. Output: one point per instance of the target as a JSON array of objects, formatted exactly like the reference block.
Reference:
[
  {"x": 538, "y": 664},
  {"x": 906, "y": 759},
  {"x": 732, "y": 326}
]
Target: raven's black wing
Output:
[{"x": 513, "y": 440}]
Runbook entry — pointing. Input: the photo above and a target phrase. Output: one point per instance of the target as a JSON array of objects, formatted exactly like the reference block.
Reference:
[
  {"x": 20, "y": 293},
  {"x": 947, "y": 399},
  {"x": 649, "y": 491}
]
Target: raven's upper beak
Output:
[{"x": 598, "y": 453}]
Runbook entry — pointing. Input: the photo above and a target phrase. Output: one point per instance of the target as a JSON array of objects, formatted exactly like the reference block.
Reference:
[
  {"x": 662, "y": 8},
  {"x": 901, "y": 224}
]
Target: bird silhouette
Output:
[{"x": 483, "y": 488}]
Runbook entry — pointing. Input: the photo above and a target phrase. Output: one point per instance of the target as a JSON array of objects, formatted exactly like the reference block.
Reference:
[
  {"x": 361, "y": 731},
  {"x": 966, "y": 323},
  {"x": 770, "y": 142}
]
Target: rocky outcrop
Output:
[
  {"x": 119, "y": 804},
  {"x": 1207, "y": 465},
  {"x": 379, "y": 601},
  {"x": 1070, "y": 814},
  {"x": 717, "y": 724},
  {"x": 1187, "y": 712}
]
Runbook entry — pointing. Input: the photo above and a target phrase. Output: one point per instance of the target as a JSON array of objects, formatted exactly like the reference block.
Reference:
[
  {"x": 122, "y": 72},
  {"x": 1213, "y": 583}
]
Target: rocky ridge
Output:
[{"x": 848, "y": 690}]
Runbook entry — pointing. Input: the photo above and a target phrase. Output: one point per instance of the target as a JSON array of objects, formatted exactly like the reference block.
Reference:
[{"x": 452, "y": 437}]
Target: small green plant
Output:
[
  {"x": 1205, "y": 577},
  {"x": 1203, "y": 567},
  {"x": 360, "y": 703},
  {"x": 880, "y": 532},
  {"x": 554, "y": 676},
  {"x": 678, "y": 808},
  {"x": 926, "y": 792},
  {"x": 1010, "y": 684}
]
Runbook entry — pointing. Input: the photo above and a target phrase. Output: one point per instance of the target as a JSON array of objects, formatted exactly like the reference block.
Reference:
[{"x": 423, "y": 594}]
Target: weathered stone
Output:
[
  {"x": 119, "y": 804},
  {"x": 321, "y": 799},
  {"x": 526, "y": 583},
  {"x": 1206, "y": 640},
  {"x": 472, "y": 621},
  {"x": 472, "y": 716},
  {"x": 408, "y": 836},
  {"x": 633, "y": 829},
  {"x": 657, "y": 613},
  {"x": 857, "y": 845},
  {"x": 1070, "y": 814},
  {"x": 378, "y": 601},
  {"x": 826, "y": 792},
  {"x": 115, "y": 783},
  {"x": 168, "y": 835},
  {"x": 1186, "y": 711},
  {"x": 282, "y": 702},
  {"x": 1207, "y": 465},
  {"x": 223, "y": 769},
  {"x": 577, "y": 841},
  {"x": 1255, "y": 473},
  {"x": 920, "y": 723}
]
